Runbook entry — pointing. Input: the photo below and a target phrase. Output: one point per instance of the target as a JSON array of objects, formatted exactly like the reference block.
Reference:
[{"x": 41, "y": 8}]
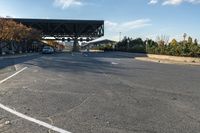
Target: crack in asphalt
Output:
[
  {"x": 193, "y": 118},
  {"x": 52, "y": 123},
  {"x": 72, "y": 109}
]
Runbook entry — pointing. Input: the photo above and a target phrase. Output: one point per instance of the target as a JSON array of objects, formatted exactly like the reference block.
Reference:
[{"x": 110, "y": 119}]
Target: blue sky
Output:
[{"x": 134, "y": 18}]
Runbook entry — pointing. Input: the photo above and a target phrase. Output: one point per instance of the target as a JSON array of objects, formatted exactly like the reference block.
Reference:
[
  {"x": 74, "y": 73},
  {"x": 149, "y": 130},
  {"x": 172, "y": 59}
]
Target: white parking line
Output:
[
  {"x": 41, "y": 123},
  {"x": 114, "y": 63},
  {"x": 2, "y": 81}
]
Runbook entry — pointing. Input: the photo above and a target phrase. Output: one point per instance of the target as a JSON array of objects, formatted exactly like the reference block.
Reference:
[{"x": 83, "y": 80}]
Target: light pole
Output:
[
  {"x": 128, "y": 41},
  {"x": 147, "y": 41}
]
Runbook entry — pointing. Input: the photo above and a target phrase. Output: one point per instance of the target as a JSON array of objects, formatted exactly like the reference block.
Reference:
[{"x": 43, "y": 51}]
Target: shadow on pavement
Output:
[
  {"x": 115, "y": 54},
  {"x": 82, "y": 62},
  {"x": 70, "y": 62},
  {"x": 6, "y": 62}
]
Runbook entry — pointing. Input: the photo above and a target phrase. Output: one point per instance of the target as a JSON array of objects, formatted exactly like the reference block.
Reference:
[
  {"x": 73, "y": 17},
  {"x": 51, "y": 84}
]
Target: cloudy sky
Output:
[{"x": 134, "y": 18}]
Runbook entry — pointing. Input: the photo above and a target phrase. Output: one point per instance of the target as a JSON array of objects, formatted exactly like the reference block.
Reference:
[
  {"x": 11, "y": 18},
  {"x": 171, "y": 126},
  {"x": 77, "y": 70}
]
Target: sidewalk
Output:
[{"x": 170, "y": 59}]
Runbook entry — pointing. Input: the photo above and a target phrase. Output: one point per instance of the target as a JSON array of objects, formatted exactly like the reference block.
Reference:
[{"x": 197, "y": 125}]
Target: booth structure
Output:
[{"x": 66, "y": 30}]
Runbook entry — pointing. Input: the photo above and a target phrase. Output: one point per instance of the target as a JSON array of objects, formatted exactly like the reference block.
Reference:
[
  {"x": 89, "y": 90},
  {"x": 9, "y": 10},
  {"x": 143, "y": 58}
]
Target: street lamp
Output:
[
  {"x": 128, "y": 41},
  {"x": 147, "y": 43}
]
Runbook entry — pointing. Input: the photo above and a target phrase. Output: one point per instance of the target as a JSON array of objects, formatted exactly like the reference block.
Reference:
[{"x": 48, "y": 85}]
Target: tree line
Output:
[{"x": 186, "y": 47}]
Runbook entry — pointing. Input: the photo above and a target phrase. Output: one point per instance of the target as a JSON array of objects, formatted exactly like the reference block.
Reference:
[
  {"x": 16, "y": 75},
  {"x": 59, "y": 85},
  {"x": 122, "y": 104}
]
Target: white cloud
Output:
[
  {"x": 173, "y": 2},
  {"x": 110, "y": 24},
  {"x": 127, "y": 26},
  {"x": 112, "y": 29},
  {"x": 67, "y": 3},
  {"x": 152, "y": 2}
]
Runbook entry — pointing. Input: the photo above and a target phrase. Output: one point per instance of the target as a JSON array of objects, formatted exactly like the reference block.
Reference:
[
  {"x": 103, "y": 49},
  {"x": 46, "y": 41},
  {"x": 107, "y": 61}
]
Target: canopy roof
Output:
[{"x": 61, "y": 28}]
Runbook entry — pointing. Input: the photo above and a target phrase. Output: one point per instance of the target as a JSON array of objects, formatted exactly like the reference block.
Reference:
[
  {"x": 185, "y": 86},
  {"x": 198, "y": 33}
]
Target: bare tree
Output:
[{"x": 162, "y": 40}]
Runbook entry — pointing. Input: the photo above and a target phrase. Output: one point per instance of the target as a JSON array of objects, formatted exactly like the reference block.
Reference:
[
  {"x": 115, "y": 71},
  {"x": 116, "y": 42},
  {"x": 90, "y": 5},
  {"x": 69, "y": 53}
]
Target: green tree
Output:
[
  {"x": 195, "y": 42},
  {"x": 174, "y": 42},
  {"x": 190, "y": 40}
]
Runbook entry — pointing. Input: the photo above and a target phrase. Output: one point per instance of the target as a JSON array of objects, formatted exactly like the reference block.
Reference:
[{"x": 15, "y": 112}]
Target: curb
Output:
[
  {"x": 156, "y": 60},
  {"x": 167, "y": 59},
  {"x": 175, "y": 58}
]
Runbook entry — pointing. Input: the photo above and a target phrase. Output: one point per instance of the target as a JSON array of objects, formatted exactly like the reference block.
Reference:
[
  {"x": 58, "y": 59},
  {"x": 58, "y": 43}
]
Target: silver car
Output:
[{"x": 48, "y": 50}]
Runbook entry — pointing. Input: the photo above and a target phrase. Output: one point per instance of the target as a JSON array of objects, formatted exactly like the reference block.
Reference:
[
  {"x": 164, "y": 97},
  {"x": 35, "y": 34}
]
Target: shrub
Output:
[{"x": 184, "y": 48}]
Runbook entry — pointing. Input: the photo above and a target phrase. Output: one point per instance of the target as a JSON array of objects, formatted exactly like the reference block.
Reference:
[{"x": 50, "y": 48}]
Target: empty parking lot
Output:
[{"x": 99, "y": 93}]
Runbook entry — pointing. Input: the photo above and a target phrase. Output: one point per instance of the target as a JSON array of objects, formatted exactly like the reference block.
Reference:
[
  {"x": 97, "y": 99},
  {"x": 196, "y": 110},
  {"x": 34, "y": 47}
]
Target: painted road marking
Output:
[
  {"x": 41, "y": 123},
  {"x": 33, "y": 120},
  {"x": 85, "y": 55},
  {"x": 2, "y": 81},
  {"x": 114, "y": 63}
]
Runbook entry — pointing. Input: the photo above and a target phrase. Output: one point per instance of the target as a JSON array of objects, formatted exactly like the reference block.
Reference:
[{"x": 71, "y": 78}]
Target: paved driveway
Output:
[{"x": 99, "y": 93}]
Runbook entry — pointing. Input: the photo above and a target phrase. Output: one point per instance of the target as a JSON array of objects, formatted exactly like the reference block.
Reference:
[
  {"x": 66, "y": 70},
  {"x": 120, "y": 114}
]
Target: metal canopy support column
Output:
[{"x": 75, "y": 45}]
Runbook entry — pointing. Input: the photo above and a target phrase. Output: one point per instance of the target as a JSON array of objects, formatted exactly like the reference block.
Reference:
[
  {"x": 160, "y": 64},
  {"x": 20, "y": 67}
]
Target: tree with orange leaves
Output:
[{"x": 10, "y": 32}]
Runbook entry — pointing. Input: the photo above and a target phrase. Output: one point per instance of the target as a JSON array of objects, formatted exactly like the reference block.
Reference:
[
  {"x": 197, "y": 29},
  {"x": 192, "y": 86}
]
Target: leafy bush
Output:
[
  {"x": 130, "y": 45},
  {"x": 181, "y": 49}
]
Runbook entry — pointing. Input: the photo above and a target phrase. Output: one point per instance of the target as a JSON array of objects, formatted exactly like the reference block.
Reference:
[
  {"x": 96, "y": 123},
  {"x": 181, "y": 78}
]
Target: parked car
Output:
[{"x": 48, "y": 50}]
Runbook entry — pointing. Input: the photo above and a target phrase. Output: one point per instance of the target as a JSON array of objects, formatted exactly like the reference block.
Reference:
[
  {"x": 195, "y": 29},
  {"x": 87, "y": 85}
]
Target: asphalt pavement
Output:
[{"x": 107, "y": 92}]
